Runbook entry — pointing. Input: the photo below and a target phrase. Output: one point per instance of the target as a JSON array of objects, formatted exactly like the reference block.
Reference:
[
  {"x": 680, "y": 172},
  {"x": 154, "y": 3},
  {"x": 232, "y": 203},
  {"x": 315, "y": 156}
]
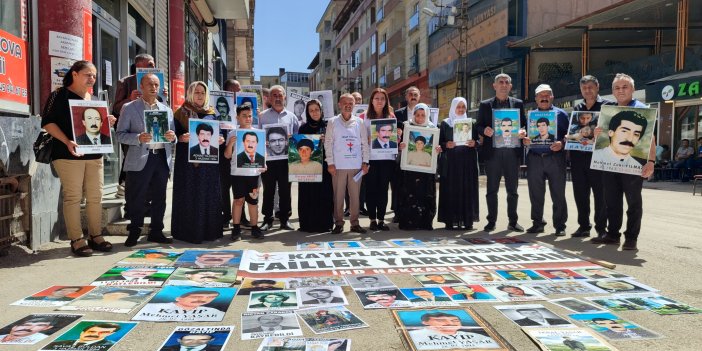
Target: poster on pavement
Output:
[
  {"x": 187, "y": 304},
  {"x": 557, "y": 339},
  {"x": 150, "y": 257},
  {"x": 57, "y": 295},
  {"x": 109, "y": 299},
  {"x": 91, "y": 335},
  {"x": 330, "y": 319},
  {"x": 35, "y": 328},
  {"x": 259, "y": 325},
  {"x": 223, "y": 276},
  {"x": 612, "y": 327},
  {"x": 274, "y": 343},
  {"x": 214, "y": 338},
  {"x": 153, "y": 276}
]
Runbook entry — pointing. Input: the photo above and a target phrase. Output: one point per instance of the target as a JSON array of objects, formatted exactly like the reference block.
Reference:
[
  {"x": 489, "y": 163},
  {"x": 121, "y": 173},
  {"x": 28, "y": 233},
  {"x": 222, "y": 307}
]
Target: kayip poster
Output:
[
  {"x": 369, "y": 281},
  {"x": 297, "y": 103},
  {"x": 251, "y": 99},
  {"x": 513, "y": 292},
  {"x": 478, "y": 277},
  {"x": 311, "y": 282},
  {"x": 436, "y": 278},
  {"x": 91, "y": 127},
  {"x": 305, "y": 157},
  {"x": 427, "y": 296},
  {"x": 203, "y": 146},
  {"x": 150, "y": 257},
  {"x": 569, "y": 287},
  {"x": 330, "y": 319},
  {"x": 624, "y": 143},
  {"x": 317, "y": 296},
  {"x": 57, "y": 295},
  {"x": 209, "y": 258},
  {"x": 276, "y": 141},
  {"x": 612, "y": 327},
  {"x": 141, "y": 72},
  {"x": 555, "y": 339},
  {"x": 250, "y": 149},
  {"x": 403, "y": 260},
  {"x": 187, "y": 304},
  {"x": 109, "y": 299},
  {"x": 259, "y": 325},
  {"x": 447, "y": 329},
  {"x": 255, "y": 89},
  {"x": 203, "y": 338},
  {"x": 359, "y": 109},
  {"x": 153, "y": 276},
  {"x": 581, "y": 131},
  {"x": 660, "y": 304},
  {"x": 326, "y": 98},
  {"x": 223, "y": 276},
  {"x": 224, "y": 104},
  {"x": 462, "y": 131},
  {"x": 35, "y": 328},
  {"x": 91, "y": 335},
  {"x": 472, "y": 293},
  {"x": 533, "y": 315},
  {"x": 249, "y": 285},
  {"x": 383, "y": 138},
  {"x": 615, "y": 303},
  {"x": 619, "y": 286},
  {"x": 382, "y": 298},
  {"x": 575, "y": 305},
  {"x": 273, "y": 300},
  {"x": 274, "y": 343},
  {"x": 421, "y": 154},
  {"x": 542, "y": 128},
  {"x": 506, "y": 124},
  {"x": 157, "y": 124}
]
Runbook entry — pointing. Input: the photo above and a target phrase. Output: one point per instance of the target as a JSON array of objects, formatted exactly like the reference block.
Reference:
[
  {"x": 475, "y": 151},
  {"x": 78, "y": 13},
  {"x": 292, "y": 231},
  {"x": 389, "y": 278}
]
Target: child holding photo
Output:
[{"x": 245, "y": 182}]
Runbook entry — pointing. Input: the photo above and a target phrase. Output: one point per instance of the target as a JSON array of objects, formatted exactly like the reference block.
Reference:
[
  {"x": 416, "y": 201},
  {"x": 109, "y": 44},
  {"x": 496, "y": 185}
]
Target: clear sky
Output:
[{"x": 285, "y": 35}]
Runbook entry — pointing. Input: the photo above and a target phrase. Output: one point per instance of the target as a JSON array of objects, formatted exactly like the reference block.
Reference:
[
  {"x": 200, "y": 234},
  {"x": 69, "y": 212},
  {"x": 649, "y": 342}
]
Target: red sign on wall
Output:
[
  {"x": 178, "y": 97},
  {"x": 87, "y": 35},
  {"x": 13, "y": 69}
]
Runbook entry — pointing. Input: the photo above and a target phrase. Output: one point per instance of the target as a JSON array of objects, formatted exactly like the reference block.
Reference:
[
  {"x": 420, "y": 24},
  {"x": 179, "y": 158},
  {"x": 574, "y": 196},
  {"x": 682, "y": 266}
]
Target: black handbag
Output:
[{"x": 43, "y": 147}]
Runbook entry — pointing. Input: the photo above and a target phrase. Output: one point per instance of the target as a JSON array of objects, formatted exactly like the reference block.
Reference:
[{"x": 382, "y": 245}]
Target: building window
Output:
[
  {"x": 381, "y": 12},
  {"x": 414, "y": 19},
  {"x": 374, "y": 74},
  {"x": 383, "y": 44},
  {"x": 195, "y": 48},
  {"x": 373, "y": 43}
]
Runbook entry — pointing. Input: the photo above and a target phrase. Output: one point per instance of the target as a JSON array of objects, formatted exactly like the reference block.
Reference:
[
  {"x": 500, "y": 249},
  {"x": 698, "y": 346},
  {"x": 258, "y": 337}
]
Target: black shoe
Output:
[
  {"x": 358, "y": 229},
  {"x": 535, "y": 229},
  {"x": 267, "y": 226},
  {"x": 449, "y": 226},
  {"x": 132, "y": 240},
  {"x": 581, "y": 233},
  {"x": 256, "y": 232},
  {"x": 382, "y": 226},
  {"x": 489, "y": 227},
  {"x": 373, "y": 226},
  {"x": 159, "y": 238},
  {"x": 605, "y": 240},
  {"x": 338, "y": 229},
  {"x": 363, "y": 212},
  {"x": 245, "y": 223},
  {"x": 629, "y": 244},
  {"x": 601, "y": 232},
  {"x": 236, "y": 233},
  {"x": 286, "y": 225},
  {"x": 468, "y": 227},
  {"x": 560, "y": 232},
  {"x": 515, "y": 227}
]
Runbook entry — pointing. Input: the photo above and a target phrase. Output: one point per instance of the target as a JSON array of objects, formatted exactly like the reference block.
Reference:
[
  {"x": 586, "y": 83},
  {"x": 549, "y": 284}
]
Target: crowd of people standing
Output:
[{"x": 352, "y": 177}]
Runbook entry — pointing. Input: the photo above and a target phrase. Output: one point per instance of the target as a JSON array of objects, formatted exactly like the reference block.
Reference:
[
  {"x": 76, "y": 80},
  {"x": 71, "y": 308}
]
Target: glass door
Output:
[{"x": 106, "y": 56}]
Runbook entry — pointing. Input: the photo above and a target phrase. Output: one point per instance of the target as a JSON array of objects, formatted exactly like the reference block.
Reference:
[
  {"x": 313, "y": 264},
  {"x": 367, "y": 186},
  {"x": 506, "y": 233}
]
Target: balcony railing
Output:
[{"x": 414, "y": 21}]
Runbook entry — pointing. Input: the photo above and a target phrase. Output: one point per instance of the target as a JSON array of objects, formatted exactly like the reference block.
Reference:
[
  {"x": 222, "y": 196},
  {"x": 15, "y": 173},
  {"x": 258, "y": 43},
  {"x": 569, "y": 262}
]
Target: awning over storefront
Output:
[{"x": 681, "y": 86}]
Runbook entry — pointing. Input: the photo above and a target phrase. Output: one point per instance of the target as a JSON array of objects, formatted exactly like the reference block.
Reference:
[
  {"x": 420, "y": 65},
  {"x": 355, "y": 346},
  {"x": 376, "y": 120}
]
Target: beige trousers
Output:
[
  {"x": 78, "y": 177},
  {"x": 341, "y": 181}
]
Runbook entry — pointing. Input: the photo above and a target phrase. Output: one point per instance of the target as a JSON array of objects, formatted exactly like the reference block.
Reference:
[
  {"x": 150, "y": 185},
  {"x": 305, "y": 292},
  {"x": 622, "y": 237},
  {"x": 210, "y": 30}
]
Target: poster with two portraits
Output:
[
  {"x": 420, "y": 155},
  {"x": 91, "y": 127}
]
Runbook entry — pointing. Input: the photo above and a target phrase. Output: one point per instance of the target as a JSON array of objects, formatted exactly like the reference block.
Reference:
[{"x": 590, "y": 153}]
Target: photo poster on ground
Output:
[
  {"x": 557, "y": 339},
  {"x": 623, "y": 145},
  {"x": 581, "y": 131},
  {"x": 224, "y": 104},
  {"x": 305, "y": 157},
  {"x": 250, "y": 99},
  {"x": 383, "y": 135},
  {"x": 150, "y": 257},
  {"x": 462, "y": 131},
  {"x": 250, "y": 149},
  {"x": 330, "y": 319},
  {"x": 110, "y": 333},
  {"x": 222, "y": 276},
  {"x": 532, "y": 315},
  {"x": 109, "y": 299},
  {"x": 203, "y": 146},
  {"x": 297, "y": 104},
  {"x": 157, "y": 123},
  {"x": 506, "y": 124},
  {"x": 542, "y": 128},
  {"x": 153, "y": 276},
  {"x": 434, "y": 115},
  {"x": 273, "y": 300},
  {"x": 256, "y": 89},
  {"x": 274, "y": 343},
  {"x": 463, "y": 293},
  {"x": 359, "y": 109},
  {"x": 473, "y": 333},
  {"x": 613, "y": 327},
  {"x": 276, "y": 141},
  {"x": 259, "y": 325},
  {"x": 57, "y": 295},
  {"x": 91, "y": 127},
  {"x": 209, "y": 258},
  {"x": 420, "y": 154},
  {"x": 326, "y": 98},
  {"x": 141, "y": 72},
  {"x": 182, "y": 337},
  {"x": 187, "y": 304},
  {"x": 49, "y": 323}
]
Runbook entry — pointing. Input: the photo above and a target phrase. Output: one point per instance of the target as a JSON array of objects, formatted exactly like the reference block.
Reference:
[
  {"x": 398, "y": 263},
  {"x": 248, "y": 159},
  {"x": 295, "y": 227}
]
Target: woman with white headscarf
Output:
[
  {"x": 417, "y": 203},
  {"x": 458, "y": 172}
]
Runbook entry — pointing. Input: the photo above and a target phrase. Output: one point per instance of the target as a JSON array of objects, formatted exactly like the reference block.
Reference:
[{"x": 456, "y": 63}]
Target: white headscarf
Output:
[
  {"x": 427, "y": 122},
  {"x": 452, "y": 112}
]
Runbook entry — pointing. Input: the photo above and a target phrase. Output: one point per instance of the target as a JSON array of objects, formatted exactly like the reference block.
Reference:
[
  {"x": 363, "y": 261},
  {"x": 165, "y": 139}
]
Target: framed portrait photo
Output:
[{"x": 420, "y": 155}]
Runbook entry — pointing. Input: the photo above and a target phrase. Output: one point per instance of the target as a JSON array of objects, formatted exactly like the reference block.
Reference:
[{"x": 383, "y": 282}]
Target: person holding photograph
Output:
[
  {"x": 381, "y": 166},
  {"x": 197, "y": 200},
  {"x": 315, "y": 203},
  {"x": 417, "y": 205},
  {"x": 458, "y": 171},
  {"x": 79, "y": 174},
  {"x": 245, "y": 186},
  {"x": 225, "y": 169},
  {"x": 625, "y": 135}
]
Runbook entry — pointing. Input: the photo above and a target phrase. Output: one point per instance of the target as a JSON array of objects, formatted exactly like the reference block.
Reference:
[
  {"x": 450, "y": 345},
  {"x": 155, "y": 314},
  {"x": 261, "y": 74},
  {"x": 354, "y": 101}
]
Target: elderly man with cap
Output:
[{"x": 548, "y": 163}]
